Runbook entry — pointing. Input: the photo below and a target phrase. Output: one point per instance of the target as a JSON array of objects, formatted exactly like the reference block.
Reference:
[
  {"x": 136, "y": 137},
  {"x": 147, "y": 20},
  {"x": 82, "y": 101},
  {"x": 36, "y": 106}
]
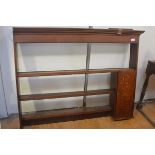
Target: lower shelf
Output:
[{"x": 44, "y": 117}]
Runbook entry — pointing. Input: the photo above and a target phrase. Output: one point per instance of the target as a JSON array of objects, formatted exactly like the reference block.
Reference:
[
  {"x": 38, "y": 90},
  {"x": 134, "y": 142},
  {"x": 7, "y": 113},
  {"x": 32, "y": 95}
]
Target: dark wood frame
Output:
[{"x": 120, "y": 77}]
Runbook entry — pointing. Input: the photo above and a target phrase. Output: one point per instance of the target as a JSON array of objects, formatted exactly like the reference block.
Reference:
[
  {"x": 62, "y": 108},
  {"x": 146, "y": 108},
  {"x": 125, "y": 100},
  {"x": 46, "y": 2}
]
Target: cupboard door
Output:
[{"x": 125, "y": 93}]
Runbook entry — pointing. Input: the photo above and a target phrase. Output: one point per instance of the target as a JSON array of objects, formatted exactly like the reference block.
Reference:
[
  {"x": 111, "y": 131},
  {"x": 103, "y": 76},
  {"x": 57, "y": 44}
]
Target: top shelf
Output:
[{"x": 75, "y": 35}]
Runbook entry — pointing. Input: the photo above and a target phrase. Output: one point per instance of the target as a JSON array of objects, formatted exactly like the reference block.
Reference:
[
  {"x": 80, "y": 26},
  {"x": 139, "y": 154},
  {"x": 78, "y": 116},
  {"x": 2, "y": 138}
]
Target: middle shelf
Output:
[
  {"x": 65, "y": 94},
  {"x": 68, "y": 72}
]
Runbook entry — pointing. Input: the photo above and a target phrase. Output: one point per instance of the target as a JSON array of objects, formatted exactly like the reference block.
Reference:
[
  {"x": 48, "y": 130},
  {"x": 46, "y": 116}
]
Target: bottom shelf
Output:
[{"x": 71, "y": 114}]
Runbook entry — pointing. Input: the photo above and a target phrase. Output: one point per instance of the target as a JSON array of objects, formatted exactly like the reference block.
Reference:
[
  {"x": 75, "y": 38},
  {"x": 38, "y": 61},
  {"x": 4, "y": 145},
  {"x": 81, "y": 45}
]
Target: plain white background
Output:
[{"x": 77, "y": 13}]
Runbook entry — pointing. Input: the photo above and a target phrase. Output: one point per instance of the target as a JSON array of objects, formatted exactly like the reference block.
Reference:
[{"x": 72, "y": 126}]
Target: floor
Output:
[{"x": 138, "y": 122}]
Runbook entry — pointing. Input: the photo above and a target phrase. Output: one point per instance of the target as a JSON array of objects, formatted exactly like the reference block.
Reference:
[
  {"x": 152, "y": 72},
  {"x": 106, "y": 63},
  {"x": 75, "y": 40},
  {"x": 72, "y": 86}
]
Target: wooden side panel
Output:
[
  {"x": 125, "y": 92},
  {"x": 133, "y": 55},
  {"x": 17, "y": 84}
]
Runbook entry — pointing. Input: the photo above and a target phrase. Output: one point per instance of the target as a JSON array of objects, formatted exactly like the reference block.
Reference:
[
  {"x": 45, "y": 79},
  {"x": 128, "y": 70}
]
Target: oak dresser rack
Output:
[{"x": 123, "y": 80}]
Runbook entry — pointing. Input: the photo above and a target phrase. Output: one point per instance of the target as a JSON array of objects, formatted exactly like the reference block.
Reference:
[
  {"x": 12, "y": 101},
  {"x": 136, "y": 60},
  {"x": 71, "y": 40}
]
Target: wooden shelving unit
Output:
[{"x": 123, "y": 80}]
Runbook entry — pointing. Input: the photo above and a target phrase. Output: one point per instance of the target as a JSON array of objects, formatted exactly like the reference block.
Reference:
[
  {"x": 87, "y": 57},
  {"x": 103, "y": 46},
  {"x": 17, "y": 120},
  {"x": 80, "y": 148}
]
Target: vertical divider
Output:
[
  {"x": 17, "y": 84},
  {"x": 87, "y": 67},
  {"x": 133, "y": 62},
  {"x": 134, "y": 48}
]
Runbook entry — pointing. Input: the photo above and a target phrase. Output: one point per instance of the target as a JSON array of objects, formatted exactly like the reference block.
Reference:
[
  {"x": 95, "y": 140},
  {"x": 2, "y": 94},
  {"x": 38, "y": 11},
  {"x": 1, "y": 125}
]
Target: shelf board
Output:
[
  {"x": 38, "y": 30},
  {"x": 64, "y": 114},
  {"x": 68, "y": 72},
  {"x": 64, "y": 94}
]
